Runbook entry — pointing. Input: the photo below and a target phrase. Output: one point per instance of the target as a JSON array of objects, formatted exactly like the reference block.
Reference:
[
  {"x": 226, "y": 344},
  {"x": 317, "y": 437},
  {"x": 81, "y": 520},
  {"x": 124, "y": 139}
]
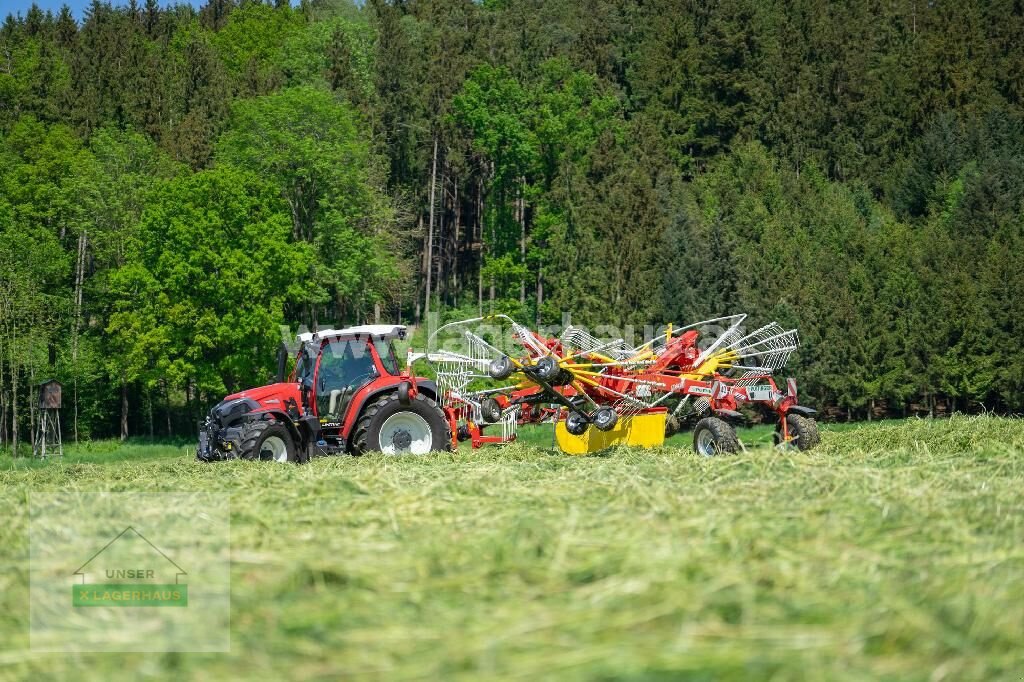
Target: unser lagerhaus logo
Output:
[{"x": 129, "y": 571}]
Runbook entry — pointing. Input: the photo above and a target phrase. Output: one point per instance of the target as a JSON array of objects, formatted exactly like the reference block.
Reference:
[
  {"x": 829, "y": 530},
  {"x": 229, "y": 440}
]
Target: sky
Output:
[{"x": 77, "y": 6}]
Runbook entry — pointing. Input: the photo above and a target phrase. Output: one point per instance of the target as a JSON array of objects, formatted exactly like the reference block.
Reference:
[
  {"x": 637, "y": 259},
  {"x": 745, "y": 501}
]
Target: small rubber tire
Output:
[
  {"x": 605, "y": 419},
  {"x": 803, "y": 432},
  {"x": 672, "y": 426},
  {"x": 366, "y": 435},
  {"x": 547, "y": 368},
  {"x": 576, "y": 424},
  {"x": 490, "y": 410},
  {"x": 254, "y": 441},
  {"x": 501, "y": 368},
  {"x": 713, "y": 436},
  {"x": 405, "y": 393}
]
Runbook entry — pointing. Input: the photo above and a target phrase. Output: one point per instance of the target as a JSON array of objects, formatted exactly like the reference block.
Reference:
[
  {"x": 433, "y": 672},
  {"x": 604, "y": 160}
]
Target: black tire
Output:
[
  {"x": 405, "y": 393},
  {"x": 501, "y": 368},
  {"x": 490, "y": 410},
  {"x": 672, "y": 426},
  {"x": 803, "y": 432},
  {"x": 261, "y": 439},
  {"x": 714, "y": 436},
  {"x": 576, "y": 424},
  {"x": 605, "y": 419},
  {"x": 366, "y": 436},
  {"x": 547, "y": 368}
]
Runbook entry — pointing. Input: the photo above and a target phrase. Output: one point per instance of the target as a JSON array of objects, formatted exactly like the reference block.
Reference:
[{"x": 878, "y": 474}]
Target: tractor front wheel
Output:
[
  {"x": 268, "y": 441},
  {"x": 390, "y": 427},
  {"x": 714, "y": 436},
  {"x": 803, "y": 432}
]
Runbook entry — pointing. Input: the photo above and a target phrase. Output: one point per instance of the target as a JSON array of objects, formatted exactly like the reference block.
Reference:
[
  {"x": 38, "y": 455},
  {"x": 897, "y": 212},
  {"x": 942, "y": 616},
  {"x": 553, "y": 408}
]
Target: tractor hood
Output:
[{"x": 272, "y": 396}]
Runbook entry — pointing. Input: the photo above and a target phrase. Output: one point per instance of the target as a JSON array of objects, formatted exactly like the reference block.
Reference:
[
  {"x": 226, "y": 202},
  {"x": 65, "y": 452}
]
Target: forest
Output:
[{"x": 177, "y": 183}]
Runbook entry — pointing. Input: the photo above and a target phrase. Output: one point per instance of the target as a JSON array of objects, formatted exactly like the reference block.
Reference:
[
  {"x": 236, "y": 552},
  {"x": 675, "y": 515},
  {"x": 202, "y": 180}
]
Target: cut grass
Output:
[{"x": 891, "y": 552}]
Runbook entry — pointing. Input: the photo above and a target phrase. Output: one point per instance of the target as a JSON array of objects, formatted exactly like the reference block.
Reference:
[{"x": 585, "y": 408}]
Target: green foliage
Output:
[
  {"x": 310, "y": 147},
  {"x": 851, "y": 169},
  {"x": 208, "y": 276},
  {"x": 250, "y": 44}
]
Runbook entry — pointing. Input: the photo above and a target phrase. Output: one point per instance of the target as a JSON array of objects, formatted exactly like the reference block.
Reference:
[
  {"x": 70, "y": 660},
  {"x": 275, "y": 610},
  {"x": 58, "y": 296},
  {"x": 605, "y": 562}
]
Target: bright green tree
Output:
[
  {"x": 204, "y": 289},
  {"x": 311, "y": 148}
]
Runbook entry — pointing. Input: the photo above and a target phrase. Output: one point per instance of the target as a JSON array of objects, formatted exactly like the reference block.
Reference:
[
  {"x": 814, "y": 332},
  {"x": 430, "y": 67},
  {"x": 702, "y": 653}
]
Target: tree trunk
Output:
[
  {"x": 12, "y": 345},
  {"x": 167, "y": 405},
  {"x": 458, "y": 244},
  {"x": 32, "y": 404},
  {"x": 83, "y": 244},
  {"x": 124, "y": 410},
  {"x": 14, "y": 404},
  {"x": 3, "y": 402},
  {"x": 419, "y": 279},
  {"x": 441, "y": 282},
  {"x": 188, "y": 399},
  {"x": 521, "y": 212},
  {"x": 494, "y": 237},
  {"x": 430, "y": 228},
  {"x": 480, "y": 240},
  {"x": 540, "y": 293}
]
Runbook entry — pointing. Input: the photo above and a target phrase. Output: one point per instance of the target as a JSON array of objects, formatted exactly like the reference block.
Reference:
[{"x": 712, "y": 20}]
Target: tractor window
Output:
[
  {"x": 345, "y": 366},
  {"x": 386, "y": 351}
]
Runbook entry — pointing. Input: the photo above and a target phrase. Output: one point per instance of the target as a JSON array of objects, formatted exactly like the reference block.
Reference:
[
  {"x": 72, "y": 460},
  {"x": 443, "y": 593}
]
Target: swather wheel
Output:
[
  {"x": 803, "y": 432},
  {"x": 605, "y": 419},
  {"x": 547, "y": 368},
  {"x": 714, "y": 436},
  {"x": 490, "y": 410},
  {"x": 576, "y": 424},
  {"x": 501, "y": 368}
]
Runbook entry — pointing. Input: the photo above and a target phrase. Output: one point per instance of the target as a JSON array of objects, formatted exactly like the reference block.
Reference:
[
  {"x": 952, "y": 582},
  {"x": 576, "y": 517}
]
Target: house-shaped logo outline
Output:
[{"x": 177, "y": 576}]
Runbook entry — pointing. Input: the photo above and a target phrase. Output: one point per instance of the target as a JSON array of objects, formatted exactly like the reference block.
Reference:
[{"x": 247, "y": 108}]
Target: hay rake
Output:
[{"x": 493, "y": 372}]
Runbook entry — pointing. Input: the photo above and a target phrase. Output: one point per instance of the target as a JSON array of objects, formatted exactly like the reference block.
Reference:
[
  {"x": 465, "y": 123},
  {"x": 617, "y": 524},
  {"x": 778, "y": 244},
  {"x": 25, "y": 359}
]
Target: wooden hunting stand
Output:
[{"x": 48, "y": 430}]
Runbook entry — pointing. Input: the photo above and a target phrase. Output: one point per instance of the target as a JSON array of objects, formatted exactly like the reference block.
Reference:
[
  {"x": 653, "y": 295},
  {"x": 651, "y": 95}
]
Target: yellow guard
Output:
[{"x": 640, "y": 430}]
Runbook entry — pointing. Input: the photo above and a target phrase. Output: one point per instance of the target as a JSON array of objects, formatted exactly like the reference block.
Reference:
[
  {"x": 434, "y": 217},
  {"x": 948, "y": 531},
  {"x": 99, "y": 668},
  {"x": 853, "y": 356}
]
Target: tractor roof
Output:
[{"x": 388, "y": 331}]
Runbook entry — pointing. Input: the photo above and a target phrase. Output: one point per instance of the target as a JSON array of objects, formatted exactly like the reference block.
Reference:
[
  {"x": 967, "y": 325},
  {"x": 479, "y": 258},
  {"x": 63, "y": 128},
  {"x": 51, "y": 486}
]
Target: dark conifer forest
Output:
[{"x": 177, "y": 183}]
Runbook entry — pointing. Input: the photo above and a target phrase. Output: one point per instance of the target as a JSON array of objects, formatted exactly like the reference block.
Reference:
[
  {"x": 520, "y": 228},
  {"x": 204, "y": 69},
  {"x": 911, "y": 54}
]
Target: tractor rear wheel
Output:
[
  {"x": 390, "y": 427},
  {"x": 267, "y": 441},
  {"x": 803, "y": 432},
  {"x": 713, "y": 436}
]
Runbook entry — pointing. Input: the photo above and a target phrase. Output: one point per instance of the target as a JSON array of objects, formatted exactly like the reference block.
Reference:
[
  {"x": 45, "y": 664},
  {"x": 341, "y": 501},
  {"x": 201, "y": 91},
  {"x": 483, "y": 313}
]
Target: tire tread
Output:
[
  {"x": 360, "y": 434},
  {"x": 724, "y": 433}
]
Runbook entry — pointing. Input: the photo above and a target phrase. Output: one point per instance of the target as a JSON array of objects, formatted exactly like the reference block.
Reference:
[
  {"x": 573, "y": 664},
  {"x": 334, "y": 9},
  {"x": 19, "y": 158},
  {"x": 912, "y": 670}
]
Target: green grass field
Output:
[{"x": 894, "y": 551}]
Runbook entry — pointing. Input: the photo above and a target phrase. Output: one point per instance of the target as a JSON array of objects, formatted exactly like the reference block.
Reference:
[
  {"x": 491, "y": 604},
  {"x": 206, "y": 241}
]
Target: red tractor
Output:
[{"x": 346, "y": 394}]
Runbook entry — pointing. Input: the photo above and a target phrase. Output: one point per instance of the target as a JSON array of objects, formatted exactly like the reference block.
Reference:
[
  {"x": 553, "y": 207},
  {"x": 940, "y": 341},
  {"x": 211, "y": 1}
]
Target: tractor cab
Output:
[
  {"x": 345, "y": 394},
  {"x": 332, "y": 366}
]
